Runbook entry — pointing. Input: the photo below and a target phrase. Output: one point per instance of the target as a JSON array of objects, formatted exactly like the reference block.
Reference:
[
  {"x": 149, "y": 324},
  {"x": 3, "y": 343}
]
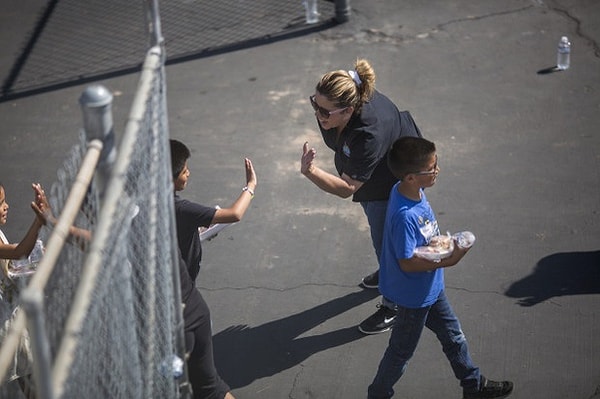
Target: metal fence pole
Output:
[
  {"x": 153, "y": 23},
  {"x": 33, "y": 304},
  {"x": 96, "y": 103},
  {"x": 157, "y": 40},
  {"x": 342, "y": 10}
]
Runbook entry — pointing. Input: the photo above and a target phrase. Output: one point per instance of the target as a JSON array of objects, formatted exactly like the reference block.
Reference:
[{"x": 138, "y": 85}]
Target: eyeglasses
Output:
[
  {"x": 433, "y": 171},
  {"x": 324, "y": 113}
]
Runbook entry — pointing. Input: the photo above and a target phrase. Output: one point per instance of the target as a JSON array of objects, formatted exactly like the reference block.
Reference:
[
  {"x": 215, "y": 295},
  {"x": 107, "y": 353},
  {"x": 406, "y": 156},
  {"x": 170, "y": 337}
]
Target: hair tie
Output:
[{"x": 354, "y": 75}]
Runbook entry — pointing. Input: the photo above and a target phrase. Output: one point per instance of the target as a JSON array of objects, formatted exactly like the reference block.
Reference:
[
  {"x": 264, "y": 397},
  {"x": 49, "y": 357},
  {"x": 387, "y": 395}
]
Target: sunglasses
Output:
[
  {"x": 433, "y": 171},
  {"x": 325, "y": 114}
]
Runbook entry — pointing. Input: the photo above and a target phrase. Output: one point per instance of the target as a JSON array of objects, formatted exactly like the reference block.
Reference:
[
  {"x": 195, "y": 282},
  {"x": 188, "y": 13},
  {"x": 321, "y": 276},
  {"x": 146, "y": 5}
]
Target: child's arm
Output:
[
  {"x": 416, "y": 264},
  {"x": 24, "y": 247},
  {"x": 42, "y": 209},
  {"x": 236, "y": 211}
]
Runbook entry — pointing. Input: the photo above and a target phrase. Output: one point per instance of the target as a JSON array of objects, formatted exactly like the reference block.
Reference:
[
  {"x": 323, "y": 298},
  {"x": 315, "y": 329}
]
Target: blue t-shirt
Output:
[{"x": 408, "y": 224}]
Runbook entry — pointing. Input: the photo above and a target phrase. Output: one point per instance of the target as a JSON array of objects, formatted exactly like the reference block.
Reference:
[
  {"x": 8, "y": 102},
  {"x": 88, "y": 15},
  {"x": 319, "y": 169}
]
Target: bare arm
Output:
[
  {"x": 343, "y": 186},
  {"x": 24, "y": 247},
  {"x": 238, "y": 209},
  {"x": 416, "y": 264},
  {"x": 42, "y": 209}
]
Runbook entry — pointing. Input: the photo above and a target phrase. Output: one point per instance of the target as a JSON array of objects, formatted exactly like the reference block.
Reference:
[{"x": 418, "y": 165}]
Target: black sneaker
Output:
[
  {"x": 371, "y": 281},
  {"x": 490, "y": 389},
  {"x": 379, "y": 322}
]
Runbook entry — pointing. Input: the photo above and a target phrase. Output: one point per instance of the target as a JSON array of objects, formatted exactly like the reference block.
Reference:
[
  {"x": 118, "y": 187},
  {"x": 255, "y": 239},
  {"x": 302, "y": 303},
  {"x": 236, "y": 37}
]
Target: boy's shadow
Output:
[
  {"x": 244, "y": 354},
  {"x": 567, "y": 273}
]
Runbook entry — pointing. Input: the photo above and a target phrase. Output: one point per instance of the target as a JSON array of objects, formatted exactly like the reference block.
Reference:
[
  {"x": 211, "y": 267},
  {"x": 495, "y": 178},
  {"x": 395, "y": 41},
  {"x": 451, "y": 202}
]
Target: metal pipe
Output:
[
  {"x": 33, "y": 303},
  {"x": 96, "y": 107},
  {"x": 342, "y": 10}
]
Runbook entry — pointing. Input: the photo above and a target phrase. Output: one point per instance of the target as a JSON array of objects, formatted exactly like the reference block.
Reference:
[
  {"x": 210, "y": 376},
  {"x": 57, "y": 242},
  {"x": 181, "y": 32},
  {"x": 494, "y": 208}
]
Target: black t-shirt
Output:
[
  {"x": 189, "y": 216},
  {"x": 361, "y": 150},
  {"x": 191, "y": 298}
]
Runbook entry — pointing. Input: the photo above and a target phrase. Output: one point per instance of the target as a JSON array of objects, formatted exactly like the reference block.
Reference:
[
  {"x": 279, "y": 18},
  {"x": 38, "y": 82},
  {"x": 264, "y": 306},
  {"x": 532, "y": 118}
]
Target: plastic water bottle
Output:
[
  {"x": 563, "y": 56},
  {"x": 464, "y": 239},
  {"x": 171, "y": 366},
  {"x": 37, "y": 252},
  {"x": 27, "y": 265},
  {"x": 312, "y": 11}
]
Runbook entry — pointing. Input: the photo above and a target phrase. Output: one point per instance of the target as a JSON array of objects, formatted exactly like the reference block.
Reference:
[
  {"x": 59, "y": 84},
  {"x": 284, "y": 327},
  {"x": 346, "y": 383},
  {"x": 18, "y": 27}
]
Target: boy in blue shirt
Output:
[{"x": 416, "y": 285}]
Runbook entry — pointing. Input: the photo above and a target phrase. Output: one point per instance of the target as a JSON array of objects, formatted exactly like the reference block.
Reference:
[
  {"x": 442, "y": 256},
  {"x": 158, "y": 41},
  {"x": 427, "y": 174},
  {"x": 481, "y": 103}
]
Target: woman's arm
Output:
[{"x": 343, "y": 186}]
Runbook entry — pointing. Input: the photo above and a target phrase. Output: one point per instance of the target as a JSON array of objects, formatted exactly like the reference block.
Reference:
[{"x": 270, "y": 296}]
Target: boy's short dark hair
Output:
[
  {"x": 179, "y": 155},
  {"x": 409, "y": 155}
]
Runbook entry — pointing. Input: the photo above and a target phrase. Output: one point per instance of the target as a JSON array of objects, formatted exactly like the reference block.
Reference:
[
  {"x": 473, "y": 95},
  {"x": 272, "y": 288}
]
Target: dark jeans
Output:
[
  {"x": 375, "y": 212},
  {"x": 206, "y": 382},
  {"x": 405, "y": 336}
]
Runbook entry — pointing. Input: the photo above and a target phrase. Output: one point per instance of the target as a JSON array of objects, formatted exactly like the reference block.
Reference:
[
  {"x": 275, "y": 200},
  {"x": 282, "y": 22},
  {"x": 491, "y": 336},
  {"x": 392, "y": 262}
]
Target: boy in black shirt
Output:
[
  {"x": 190, "y": 215},
  {"x": 203, "y": 375}
]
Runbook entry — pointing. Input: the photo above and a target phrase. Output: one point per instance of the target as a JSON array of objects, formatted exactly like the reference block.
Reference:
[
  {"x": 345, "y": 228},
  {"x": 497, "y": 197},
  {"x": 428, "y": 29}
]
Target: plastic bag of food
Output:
[{"x": 439, "y": 247}]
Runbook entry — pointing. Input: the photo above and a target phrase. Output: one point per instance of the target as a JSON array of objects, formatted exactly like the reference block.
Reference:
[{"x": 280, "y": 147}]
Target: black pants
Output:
[{"x": 203, "y": 375}]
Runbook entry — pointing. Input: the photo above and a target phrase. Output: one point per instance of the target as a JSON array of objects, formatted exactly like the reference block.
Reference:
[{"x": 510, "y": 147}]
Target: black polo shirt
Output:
[{"x": 361, "y": 150}]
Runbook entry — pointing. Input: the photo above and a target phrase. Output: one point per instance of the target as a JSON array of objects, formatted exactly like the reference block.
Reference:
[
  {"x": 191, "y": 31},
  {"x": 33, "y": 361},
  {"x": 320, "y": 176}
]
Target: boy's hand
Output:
[
  {"x": 457, "y": 254},
  {"x": 250, "y": 174}
]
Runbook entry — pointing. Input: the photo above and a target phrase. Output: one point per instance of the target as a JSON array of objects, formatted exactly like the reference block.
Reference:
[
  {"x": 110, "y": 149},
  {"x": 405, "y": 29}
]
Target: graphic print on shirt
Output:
[
  {"x": 428, "y": 228},
  {"x": 346, "y": 150}
]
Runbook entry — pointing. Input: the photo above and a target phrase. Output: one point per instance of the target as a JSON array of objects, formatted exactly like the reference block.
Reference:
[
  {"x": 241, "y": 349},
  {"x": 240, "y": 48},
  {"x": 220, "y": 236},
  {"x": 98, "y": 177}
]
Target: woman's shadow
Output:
[
  {"x": 566, "y": 273},
  {"x": 244, "y": 354}
]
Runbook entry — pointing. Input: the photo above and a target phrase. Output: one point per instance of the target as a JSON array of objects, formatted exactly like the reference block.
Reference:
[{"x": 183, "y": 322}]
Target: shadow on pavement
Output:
[
  {"x": 560, "y": 274},
  {"x": 244, "y": 354},
  {"x": 75, "y": 42}
]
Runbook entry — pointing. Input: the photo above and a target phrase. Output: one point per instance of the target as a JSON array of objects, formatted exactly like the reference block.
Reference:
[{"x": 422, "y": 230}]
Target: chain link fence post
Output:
[
  {"x": 342, "y": 10},
  {"x": 96, "y": 106}
]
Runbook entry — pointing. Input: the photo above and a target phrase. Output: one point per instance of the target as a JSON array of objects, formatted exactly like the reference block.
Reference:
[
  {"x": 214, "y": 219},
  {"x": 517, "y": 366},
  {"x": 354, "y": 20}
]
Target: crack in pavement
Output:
[
  {"x": 578, "y": 29},
  {"x": 295, "y": 382},
  {"x": 484, "y": 16},
  {"x": 380, "y": 34}
]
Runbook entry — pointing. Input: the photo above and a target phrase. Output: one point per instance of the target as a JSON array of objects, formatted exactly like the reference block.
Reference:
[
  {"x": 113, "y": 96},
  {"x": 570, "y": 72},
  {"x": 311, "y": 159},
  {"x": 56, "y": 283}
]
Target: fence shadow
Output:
[
  {"x": 560, "y": 274},
  {"x": 76, "y": 42},
  {"x": 244, "y": 354}
]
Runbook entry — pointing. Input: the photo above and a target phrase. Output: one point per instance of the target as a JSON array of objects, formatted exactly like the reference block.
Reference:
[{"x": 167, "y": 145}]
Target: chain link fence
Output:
[
  {"x": 104, "y": 316},
  {"x": 77, "y": 41}
]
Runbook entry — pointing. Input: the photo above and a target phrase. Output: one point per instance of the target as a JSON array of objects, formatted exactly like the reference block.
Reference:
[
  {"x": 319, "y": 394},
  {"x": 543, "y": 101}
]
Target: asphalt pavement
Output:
[{"x": 519, "y": 151}]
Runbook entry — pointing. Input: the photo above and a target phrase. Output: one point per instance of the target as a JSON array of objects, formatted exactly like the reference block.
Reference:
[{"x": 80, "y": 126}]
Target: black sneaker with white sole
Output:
[
  {"x": 490, "y": 389},
  {"x": 371, "y": 281},
  {"x": 379, "y": 322}
]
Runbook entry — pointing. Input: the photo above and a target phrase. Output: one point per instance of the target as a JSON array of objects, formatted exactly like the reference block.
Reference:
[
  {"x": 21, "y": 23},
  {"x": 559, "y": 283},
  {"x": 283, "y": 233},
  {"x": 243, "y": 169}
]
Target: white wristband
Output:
[{"x": 249, "y": 190}]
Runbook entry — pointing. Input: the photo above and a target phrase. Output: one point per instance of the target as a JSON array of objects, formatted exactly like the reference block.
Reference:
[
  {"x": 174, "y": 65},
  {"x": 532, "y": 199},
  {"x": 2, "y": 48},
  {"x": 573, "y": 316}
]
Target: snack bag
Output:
[{"x": 439, "y": 247}]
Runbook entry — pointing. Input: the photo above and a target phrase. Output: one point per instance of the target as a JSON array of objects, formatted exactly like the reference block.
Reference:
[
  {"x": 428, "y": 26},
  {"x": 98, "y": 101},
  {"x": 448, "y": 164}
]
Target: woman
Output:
[{"x": 359, "y": 124}]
